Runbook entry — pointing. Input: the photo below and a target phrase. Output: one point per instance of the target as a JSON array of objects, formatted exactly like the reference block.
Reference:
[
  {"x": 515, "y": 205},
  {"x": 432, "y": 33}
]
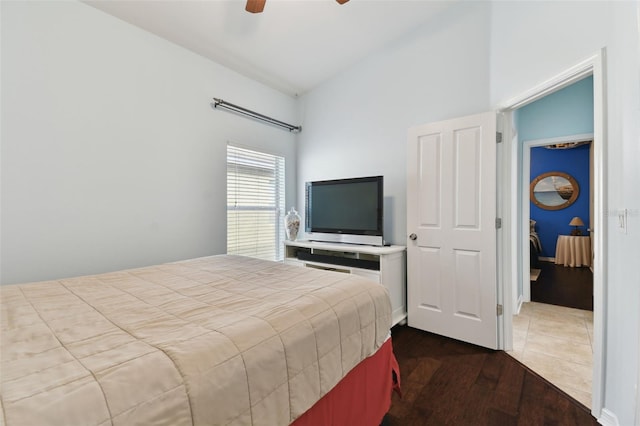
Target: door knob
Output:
[{"x": 413, "y": 237}]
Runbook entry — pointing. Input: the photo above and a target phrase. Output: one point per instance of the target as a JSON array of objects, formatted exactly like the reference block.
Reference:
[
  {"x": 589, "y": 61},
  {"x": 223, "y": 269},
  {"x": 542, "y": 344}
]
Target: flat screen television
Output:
[{"x": 345, "y": 210}]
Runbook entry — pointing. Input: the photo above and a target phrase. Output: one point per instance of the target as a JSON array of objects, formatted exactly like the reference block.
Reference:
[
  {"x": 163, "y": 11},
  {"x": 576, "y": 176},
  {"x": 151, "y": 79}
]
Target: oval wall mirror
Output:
[{"x": 554, "y": 190}]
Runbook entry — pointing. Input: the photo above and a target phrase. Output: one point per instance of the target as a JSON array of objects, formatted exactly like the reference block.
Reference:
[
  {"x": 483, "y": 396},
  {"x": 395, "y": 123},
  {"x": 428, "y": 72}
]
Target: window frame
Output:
[{"x": 257, "y": 168}]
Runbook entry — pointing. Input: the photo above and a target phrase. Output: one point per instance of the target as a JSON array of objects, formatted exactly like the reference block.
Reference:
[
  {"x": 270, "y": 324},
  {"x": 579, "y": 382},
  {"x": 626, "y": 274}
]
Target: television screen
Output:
[{"x": 345, "y": 206}]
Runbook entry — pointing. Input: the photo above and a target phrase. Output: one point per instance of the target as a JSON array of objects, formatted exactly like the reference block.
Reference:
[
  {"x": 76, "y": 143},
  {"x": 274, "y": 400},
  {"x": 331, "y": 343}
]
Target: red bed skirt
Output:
[{"x": 362, "y": 397}]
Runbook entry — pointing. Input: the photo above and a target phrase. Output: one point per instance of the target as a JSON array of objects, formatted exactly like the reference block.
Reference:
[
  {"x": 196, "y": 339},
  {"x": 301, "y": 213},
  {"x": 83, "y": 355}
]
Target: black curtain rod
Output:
[{"x": 240, "y": 110}]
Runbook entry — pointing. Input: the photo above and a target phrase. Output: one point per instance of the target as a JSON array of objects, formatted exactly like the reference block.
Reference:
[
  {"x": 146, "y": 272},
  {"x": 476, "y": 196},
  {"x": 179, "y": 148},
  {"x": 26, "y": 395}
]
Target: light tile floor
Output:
[{"x": 556, "y": 343}]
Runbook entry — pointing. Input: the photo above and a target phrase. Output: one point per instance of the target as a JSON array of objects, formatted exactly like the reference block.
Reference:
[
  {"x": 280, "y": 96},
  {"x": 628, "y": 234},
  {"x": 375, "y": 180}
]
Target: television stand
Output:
[{"x": 384, "y": 265}]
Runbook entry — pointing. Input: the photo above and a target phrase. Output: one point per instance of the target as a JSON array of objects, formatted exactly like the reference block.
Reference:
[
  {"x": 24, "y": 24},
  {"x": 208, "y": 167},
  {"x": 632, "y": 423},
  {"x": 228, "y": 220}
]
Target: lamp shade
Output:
[{"x": 576, "y": 221}]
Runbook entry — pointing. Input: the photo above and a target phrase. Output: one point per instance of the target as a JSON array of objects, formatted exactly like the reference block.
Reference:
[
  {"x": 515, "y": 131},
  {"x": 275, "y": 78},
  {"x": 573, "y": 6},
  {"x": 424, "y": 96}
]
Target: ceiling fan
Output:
[{"x": 257, "y": 6}]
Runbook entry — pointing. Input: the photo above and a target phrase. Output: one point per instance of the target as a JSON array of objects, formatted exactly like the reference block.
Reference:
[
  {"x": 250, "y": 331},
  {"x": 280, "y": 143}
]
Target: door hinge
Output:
[
  {"x": 498, "y": 137},
  {"x": 499, "y": 310},
  {"x": 498, "y": 223}
]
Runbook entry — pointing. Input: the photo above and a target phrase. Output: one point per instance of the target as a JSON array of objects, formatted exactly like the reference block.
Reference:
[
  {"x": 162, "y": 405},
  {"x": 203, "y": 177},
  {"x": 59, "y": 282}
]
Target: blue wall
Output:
[
  {"x": 551, "y": 223},
  {"x": 566, "y": 112}
]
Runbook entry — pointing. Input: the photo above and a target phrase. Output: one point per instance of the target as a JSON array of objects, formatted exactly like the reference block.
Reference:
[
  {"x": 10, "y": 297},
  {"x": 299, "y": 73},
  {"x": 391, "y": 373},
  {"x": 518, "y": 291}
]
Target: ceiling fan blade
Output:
[
  {"x": 255, "y": 6},
  {"x": 342, "y": 1}
]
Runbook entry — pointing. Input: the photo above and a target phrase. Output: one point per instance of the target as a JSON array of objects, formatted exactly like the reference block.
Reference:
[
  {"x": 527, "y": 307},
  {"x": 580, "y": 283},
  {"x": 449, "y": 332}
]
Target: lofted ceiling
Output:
[{"x": 292, "y": 46}]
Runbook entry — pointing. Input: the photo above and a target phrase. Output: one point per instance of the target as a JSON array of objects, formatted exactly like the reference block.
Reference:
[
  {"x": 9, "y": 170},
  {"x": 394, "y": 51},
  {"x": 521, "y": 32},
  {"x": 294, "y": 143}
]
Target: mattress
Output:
[{"x": 215, "y": 340}]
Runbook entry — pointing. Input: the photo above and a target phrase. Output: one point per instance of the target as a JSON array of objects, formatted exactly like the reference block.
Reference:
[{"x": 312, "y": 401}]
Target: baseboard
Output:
[
  {"x": 518, "y": 305},
  {"x": 607, "y": 418},
  {"x": 547, "y": 259}
]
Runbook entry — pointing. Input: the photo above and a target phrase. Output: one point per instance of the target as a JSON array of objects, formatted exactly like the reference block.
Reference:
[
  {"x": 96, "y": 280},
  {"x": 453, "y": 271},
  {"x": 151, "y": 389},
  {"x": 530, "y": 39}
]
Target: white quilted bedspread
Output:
[{"x": 209, "y": 341}]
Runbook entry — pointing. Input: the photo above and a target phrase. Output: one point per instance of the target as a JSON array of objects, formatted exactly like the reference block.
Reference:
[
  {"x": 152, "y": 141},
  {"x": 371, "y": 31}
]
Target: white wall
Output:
[
  {"x": 111, "y": 156},
  {"x": 534, "y": 41},
  {"x": 356, "y": 123}
]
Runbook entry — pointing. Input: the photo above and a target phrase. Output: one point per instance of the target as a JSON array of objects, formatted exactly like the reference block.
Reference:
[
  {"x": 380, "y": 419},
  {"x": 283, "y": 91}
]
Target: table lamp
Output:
[{"x": 575, "y": 222}]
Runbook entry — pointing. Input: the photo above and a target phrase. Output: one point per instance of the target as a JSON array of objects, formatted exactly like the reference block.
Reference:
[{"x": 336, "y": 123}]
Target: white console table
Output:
[{"x": 384, "y": 265}]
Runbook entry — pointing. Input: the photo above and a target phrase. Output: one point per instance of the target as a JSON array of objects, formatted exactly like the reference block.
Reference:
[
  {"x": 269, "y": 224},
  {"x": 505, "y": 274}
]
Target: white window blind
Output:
[{"x": 255, "y": 203}]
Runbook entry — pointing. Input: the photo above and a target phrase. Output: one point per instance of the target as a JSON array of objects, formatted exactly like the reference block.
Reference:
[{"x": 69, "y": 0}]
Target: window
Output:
[{"x": 255, "y": 203}]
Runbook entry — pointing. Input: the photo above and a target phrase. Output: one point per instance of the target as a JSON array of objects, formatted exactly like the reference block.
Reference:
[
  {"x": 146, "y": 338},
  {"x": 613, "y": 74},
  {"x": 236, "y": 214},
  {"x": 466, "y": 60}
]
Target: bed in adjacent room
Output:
[
  {"x": 215, "y": 340},
  {"x": 535, "y": 246}
]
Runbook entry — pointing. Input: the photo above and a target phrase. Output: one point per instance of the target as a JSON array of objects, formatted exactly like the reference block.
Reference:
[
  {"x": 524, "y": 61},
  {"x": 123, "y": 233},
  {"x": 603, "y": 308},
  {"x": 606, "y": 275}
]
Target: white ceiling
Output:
[{"x": 292, "y": 46}]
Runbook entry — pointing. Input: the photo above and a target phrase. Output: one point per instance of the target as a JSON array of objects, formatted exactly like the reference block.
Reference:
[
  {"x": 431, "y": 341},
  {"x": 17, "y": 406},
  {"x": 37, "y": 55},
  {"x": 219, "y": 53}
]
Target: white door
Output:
[{"x": 451, "y": 222}]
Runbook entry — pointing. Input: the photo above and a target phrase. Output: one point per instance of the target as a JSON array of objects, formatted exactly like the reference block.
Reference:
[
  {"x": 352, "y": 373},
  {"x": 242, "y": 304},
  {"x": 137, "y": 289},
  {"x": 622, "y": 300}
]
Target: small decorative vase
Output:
[{"x": 292, "y": 224}]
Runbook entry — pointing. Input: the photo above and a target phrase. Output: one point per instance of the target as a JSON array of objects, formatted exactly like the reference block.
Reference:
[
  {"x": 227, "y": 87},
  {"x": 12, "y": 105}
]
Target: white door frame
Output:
[
  {"x": 525, "y": 206},
  {"x": 511, "y": 202}
]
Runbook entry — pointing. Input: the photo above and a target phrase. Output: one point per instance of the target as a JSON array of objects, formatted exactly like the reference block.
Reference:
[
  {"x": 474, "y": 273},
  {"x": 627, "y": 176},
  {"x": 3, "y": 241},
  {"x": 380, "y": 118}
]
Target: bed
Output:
[
  {"x": 535, "y": 246},
  {"x": 215, "y": 340}
]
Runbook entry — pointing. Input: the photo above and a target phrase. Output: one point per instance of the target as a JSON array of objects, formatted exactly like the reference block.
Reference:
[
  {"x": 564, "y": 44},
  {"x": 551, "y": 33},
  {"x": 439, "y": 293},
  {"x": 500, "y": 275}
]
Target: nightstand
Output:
[{"x": 573, "y": 250}]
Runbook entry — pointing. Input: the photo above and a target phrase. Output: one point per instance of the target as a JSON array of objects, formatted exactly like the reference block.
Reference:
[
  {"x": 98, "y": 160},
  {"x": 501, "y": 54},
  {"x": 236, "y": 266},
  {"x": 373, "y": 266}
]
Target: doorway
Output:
[
  {"x": 515, "y": 239},
  {"x": 553, "y": 331},
  {"x": 559, "y": 227}
]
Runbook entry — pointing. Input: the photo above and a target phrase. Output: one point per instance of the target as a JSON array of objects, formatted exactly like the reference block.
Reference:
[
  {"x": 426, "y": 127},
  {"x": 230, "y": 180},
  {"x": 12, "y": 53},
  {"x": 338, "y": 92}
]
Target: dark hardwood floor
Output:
[
  {"x": 447, "y": 382},
  {"x": 564, "y": 286}
]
